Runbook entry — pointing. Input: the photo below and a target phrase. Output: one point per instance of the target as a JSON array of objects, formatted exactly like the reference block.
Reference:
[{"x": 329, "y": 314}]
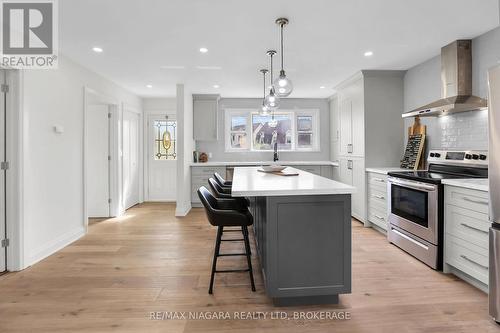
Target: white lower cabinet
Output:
[
  {"x": 466, "y": 227},
  {"x": 352, "y": 172},
  {"x": 377, "y": 199}
]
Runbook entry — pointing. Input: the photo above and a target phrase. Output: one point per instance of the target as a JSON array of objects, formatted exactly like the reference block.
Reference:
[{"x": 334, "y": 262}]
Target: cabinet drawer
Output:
[
  {"x": 207, "y": 171},
  {"x": 468, "y": 225},
  {"x": 377, "y": 197},
  {"x": 378, "y": 217},
  {"x": 467, "y": 257},
  {"x": 377, "y": 181},
  {"x": 466, "y": 198}
]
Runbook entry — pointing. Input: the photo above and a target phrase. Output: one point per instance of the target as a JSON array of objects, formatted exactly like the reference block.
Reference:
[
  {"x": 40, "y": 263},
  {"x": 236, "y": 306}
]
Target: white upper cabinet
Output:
[{"x": 205, "y": 117}]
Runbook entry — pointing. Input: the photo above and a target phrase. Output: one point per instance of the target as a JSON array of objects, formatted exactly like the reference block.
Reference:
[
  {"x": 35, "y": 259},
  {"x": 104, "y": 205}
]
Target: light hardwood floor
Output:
[{"x": 148, "y": 261}]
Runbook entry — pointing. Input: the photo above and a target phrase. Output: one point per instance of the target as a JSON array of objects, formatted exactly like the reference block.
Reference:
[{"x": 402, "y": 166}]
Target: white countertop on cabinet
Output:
[
  {"x": 248, "y": 182},
  {"x": 258, "y": 163},
  {"x": 480, "y": 184},
  {"x": 386, "y": 170}
]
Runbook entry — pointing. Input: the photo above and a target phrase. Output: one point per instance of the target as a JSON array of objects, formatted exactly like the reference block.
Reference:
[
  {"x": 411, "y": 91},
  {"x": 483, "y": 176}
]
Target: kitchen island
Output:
[{"x": 302, "y": 228}]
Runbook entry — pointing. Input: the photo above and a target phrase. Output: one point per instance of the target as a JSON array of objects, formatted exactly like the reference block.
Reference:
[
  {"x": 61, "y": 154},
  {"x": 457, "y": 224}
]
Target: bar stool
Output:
[
  {"x": 221, "y": 181},
  {"x": 219, "y": 191},
  {"x": 223, "y": 213}
]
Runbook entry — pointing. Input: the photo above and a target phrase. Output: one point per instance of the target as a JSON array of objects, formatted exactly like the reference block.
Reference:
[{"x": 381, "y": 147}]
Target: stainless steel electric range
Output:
[{"x": 416, "y": 202}]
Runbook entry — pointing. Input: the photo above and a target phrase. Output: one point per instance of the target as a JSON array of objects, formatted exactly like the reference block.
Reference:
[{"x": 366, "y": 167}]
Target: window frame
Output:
[{"x": 295, "y": 113}]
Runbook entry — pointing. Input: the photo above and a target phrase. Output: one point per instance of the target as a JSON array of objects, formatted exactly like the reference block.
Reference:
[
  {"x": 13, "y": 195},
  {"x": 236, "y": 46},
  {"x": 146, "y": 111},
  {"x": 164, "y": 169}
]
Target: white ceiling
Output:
[{"x": 324, "y": 42}]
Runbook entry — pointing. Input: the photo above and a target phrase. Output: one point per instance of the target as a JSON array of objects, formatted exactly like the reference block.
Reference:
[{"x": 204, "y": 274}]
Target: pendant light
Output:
[
  {"x": 264, "y": 111},
  {"x": 271, "y": 101},
  {"x": 283, "y": 85}
]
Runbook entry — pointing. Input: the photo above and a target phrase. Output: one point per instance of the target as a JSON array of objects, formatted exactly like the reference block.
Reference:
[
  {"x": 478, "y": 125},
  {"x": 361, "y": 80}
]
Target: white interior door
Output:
[
  {"x": 3, "y": 235},
  {"x": 98, "y": 156},
  {"x": 130, "y": 158},
  {"x": 162, "y": 158}
]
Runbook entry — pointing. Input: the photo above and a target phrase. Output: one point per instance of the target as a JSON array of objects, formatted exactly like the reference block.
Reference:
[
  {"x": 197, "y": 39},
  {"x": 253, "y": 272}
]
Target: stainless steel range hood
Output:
[{"x": 456, "y": 83}]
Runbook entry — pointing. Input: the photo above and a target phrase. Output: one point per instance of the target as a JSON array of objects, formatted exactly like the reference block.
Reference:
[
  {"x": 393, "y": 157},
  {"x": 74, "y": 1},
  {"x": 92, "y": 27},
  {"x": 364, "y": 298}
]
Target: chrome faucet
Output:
[{"x": 276, "y": 156}]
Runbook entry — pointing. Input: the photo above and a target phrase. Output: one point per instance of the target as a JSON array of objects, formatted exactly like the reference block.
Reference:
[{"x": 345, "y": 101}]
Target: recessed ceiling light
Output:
[
  {"x": 322, "y": 87},
  {"x": 368, "y": 53},
  {"x": 210, "y": 68},
  {"x": 149, "y": 86},
  {"x": 97, "y": 49},
  {"x": 172, "y": 67},
  {"x": 216, "y": 86},
  {"x": 203, "y": 50}
]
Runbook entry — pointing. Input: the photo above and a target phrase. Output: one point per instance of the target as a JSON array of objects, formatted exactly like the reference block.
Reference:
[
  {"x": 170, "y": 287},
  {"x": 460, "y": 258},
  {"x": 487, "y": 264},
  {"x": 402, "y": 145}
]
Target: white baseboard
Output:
[
  {"x": 182, "y": 211},
  {"x": 53, "y": 246}
]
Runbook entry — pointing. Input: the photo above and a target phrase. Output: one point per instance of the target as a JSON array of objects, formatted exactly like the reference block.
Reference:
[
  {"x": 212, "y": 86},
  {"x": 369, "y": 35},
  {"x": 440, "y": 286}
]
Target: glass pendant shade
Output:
[
  {"x": 283, "y": 85},
  {"x": 264, "y": 111},
  {"x": 271, "y": 101}
]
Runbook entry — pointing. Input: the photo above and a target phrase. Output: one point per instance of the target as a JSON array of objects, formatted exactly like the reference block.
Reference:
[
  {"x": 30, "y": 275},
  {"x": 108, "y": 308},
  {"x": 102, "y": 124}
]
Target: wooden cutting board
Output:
[{"x": 284, "y": 172}]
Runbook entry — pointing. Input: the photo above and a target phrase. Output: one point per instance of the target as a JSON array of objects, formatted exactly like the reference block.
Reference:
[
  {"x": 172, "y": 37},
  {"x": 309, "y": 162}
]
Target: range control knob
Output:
[
  {"x": 482, "y": 157},
  {"x": 468, "y": 156},
  {"x": 438, "y": 155},
  {"x": 432, "y": 154},
  {"x": 475, "y": 156}
]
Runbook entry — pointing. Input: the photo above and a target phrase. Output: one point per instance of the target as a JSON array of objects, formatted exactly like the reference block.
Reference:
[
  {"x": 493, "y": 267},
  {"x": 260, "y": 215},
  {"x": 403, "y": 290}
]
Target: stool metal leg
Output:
[
  {"x": 220, "y": 230},
  {"x": 248, "y": 255}
]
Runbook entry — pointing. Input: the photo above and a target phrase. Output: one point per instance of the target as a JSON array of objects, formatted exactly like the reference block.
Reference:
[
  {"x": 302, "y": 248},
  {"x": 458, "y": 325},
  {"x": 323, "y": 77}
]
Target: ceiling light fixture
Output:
[
  {"x": 283, "y": 85},
  {"x": 172, "y": 67},
  {"x": 271, "y": 101},
  {"x": 368, "y": 53},
  {"x": 212, "y": 68},
  {"x": 322, "y": 87},
  {"x": 264, "y": 111},
  {"x": 149, "y": 86},
  {"x": 216, "y": 86},
  {"x": 203, "y": 50},
  {"x": 97, "y": 49}
]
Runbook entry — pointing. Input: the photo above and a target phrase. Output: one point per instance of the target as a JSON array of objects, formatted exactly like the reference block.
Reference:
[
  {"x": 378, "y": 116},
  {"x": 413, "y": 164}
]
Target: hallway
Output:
[{"x": 150, "y": 261}]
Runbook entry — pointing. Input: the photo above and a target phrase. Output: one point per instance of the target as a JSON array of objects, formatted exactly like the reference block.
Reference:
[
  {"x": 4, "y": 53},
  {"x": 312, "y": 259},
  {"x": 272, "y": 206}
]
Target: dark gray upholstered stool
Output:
[{"x": 222, "y": 213}]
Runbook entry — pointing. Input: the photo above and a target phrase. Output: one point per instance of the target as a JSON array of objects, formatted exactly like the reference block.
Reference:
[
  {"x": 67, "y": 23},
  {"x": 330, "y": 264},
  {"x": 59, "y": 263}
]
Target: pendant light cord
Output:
[
  {"x": 271, "y": 59},
  {"x": 264, "y": 83},
  {"x": 281, "y": 37}
]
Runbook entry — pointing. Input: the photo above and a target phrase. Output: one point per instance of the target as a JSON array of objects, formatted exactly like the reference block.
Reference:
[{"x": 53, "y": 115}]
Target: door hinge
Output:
[
  {"x": 5, "y": 242},
  {"x": 5, "y": 88},
  {"x": 4, "y": 165},
  {"x": 109, "y": 114},
  {"x": 109, "y": 157},
  {"x": 109, "y": 200}
]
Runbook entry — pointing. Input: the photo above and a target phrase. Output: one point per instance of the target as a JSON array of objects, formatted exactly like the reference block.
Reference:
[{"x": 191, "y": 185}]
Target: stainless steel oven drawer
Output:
[{"x": 420, "y": 249}]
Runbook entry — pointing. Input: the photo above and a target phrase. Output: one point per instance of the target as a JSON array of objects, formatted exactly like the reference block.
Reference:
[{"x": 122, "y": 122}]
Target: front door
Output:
[
  {"x": 98, "y": 161},
  {"x": 130, "y": 158},
  {"x": 3, "y": 175},
  {"x": 162, "y": 158}
]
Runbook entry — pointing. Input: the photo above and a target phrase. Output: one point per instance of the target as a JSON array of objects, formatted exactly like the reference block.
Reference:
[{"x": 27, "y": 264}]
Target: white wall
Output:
[
  {"x": 217, "y": 148},
  {"x": 53, "y": 163},
  {"x": 422, "y": 85},
  {"x": 185, "y": 149}
]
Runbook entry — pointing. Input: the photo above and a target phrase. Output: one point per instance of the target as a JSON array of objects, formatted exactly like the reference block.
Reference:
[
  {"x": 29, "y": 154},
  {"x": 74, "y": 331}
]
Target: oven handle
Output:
[
  {"x": 410, "y": 239},
  {"x": 427, "y": 188}
]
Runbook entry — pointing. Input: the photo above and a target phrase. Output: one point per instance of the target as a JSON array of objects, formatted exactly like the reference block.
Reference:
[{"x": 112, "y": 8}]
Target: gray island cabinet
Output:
[{"x": 302, "y": 228}]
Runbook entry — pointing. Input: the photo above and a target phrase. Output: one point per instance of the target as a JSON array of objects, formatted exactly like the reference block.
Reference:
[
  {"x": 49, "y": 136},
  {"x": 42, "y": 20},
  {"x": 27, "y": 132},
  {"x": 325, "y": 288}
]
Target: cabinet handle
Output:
[
  {"x": 472, "y": 261},
  {"x": 379, "y": 180},
  {"x": 349, "y": 148},
  {"x": 349, "y": 164},
  {"x": 473, "y": 228},
  {"x": 481, "y": 202},
  {"x": 378, "y": 196},
  {"x": 379, "y": 217}
]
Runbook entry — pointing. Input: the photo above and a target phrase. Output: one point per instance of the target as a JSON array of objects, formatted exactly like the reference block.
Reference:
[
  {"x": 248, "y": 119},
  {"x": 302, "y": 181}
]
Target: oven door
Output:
[{"x": 413, "y": 206}]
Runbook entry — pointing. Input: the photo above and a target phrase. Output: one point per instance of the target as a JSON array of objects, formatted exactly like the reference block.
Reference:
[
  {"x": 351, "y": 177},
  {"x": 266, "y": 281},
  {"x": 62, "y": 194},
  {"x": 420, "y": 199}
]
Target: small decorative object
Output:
[
  {"x": 413, "y": 152},
  {"x": 418, "y": 128},
  {"x": 195, "y": 156},
  {"x": 167, "y": 140},
  {"x": 203, "y": 158},
  {"x": 273, "y": 168}
]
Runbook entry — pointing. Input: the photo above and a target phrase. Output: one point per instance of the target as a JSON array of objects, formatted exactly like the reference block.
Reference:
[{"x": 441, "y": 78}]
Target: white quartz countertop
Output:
[
  {"x": 251, "y": 163},
  {"x": 480, "y": 184},
  {"x": 248, "y": 182},
  {"x": 386, "y": 170}
]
